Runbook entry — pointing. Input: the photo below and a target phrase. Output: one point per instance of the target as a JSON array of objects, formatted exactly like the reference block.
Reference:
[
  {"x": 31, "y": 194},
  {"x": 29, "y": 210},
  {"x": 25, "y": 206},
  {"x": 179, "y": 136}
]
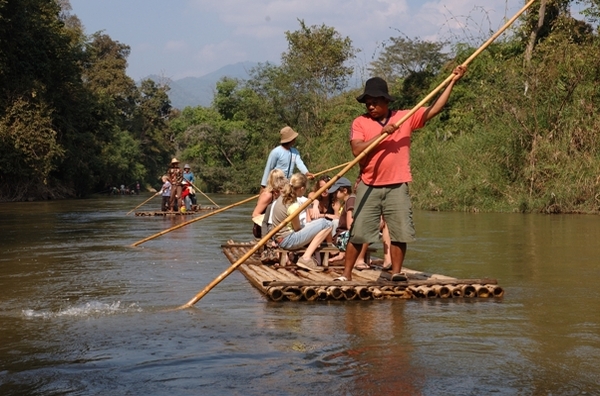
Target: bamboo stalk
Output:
[
  {"x": 443, "y": 291},
  {"x": 363, "y": 292},
  {"x": 482, "y": 291},
  {"x": 309, "y": 293},
  {"x": 322, "y": 293},
  {"x": 194, "y": 220},
  {"x": 275, "y": 293},
  {"x": 468, "y": 291},
  {"x": 206, "y": 196},
  {"x": 293, "y": 293},
  {"x": 496, "y": 290},
  {"x": 356, "y": 160},
  {"x": 141, "y": 204},
  {"x": 335, "y": 292}
]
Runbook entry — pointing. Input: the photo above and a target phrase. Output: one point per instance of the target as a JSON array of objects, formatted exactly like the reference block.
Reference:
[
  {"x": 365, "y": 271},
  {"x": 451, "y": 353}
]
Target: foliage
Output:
[{"x": 520, "y": 133}]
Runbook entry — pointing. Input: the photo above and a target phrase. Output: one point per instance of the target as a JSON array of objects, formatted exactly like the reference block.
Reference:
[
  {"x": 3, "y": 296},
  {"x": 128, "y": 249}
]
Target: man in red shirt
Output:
[{"x": 385, "y": 172}]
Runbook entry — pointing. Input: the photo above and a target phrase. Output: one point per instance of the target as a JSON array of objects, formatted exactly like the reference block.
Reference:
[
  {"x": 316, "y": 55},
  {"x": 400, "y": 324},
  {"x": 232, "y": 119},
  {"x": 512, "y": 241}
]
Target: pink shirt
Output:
[{"x": 389, "y": 162}]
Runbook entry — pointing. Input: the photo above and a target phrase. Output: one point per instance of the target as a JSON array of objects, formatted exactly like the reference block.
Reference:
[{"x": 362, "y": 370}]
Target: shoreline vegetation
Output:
[{"x": 521, "y": 132}]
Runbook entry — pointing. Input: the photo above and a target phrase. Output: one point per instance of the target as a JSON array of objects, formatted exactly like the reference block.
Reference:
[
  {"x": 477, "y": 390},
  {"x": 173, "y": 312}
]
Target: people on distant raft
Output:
[
  {"x": 176, "y": 178},
  {"x": 293, "y": 236},
  {"x": 185, "y": 202},
  {"x": 275, "y": 184},
  {"x": 385, "y": 172},
  {"x": 285, "y": 157},
  {"x": 189, "y": 176},
  {"x": 165, "y": 192}
]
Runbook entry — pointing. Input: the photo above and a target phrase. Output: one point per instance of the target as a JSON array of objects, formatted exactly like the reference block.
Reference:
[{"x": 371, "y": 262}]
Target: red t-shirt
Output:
[{"x": 389, "y": 162}]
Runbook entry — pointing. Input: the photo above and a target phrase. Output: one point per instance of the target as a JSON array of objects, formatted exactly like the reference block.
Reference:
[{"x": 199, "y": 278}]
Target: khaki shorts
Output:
[{"x": 391, "y": 202}]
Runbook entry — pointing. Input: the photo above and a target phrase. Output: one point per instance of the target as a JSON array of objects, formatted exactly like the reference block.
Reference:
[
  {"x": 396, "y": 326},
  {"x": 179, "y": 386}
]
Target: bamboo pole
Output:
[
  {"x": 194, "y": 220},
  {"x": 154, "y": 195},
  {"x": 206, "y": 196},
  {"x": 349, "y": 165}
]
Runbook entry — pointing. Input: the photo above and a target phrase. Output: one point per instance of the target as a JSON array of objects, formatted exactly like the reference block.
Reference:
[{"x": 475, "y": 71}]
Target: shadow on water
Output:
[{"x": 83, "y": 313}]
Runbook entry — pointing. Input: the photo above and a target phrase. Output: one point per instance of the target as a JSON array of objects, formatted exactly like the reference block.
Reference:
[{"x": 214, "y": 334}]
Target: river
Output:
[{"x": 83, "y": 313}]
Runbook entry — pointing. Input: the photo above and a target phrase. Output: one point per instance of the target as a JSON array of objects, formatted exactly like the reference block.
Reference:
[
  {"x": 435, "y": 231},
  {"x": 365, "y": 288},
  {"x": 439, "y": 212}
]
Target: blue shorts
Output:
[{"x": 298, "y": 239}]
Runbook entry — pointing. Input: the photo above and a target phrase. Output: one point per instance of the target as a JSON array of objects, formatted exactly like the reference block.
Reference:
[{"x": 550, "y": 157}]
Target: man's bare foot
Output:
[{"x": 338, "y": 257}]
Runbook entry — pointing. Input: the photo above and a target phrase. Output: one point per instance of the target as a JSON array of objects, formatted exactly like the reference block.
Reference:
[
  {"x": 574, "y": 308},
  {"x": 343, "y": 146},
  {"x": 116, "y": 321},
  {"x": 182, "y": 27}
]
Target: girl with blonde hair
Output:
[
  {"x": 275, "y": 184},
  {"x": 293, "y": 236}
]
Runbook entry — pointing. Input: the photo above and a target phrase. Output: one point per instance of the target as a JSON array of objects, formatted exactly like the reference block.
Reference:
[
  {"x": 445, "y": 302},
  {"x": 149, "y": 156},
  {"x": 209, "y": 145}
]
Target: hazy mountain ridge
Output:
[{"x": 199, "y": 91}]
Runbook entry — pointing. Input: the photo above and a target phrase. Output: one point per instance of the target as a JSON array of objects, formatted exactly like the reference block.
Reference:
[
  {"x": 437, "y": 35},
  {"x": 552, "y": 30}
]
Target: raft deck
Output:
[
  {"x": 199, "y": 209},
  {"x": 291, "y": 283}
]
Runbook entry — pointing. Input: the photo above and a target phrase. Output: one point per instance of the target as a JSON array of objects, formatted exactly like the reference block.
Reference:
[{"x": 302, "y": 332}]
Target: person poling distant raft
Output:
[
  {"x": 374, "y": 143},
  {"x": 385, "y": 173}
]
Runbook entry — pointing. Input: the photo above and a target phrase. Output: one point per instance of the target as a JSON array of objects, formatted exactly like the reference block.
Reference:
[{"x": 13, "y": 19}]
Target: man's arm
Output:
[
  {"x": 300, "y": 165},
  {"x": 441, "y": 101}
]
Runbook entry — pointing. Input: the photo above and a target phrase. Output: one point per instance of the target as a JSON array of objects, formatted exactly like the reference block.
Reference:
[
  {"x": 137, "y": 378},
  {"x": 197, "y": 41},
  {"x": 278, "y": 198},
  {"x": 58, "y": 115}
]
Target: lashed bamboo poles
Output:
[{"x": 260, "y": 243}]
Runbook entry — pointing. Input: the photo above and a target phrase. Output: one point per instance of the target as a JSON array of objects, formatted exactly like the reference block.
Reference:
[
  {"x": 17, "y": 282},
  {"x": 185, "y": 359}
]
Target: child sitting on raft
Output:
[{"x": 293, "y": 236}]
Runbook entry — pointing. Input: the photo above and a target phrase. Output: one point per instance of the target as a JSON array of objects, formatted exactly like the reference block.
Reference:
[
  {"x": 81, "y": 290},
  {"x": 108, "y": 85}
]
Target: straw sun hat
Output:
[{"x": 287, "y": 135}]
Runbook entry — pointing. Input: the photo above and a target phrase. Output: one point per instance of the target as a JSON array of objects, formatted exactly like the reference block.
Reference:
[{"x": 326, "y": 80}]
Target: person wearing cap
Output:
[
  {"x": 285, "y": 157},
  {"x": 176, "y": 178},
  {"x": 341, "y": 190},
  {"x": 385, "y": 172},
  {"x": 189, "y": 176}
]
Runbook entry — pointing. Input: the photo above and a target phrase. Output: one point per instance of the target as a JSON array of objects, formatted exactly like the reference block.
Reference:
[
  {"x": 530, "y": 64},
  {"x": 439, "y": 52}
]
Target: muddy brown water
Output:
[{"x": 81, "y": 313}]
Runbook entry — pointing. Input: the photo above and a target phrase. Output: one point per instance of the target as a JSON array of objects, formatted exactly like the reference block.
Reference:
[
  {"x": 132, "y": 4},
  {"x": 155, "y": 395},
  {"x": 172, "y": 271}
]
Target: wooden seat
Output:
[{"x": 329, "y": 249}]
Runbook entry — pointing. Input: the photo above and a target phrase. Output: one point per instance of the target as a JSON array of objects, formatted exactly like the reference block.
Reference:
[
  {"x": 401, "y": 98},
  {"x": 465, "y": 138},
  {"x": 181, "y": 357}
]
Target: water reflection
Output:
[{"x": 82, "y": 312}]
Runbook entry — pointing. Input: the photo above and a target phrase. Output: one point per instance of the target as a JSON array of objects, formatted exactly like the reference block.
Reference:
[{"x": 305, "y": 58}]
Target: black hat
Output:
[{"x": 375, "y": 87}]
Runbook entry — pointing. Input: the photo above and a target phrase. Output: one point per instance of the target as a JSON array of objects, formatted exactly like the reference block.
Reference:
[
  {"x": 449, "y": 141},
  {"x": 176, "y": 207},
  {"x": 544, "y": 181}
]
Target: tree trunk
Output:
[{"x": 534, "y": 33}]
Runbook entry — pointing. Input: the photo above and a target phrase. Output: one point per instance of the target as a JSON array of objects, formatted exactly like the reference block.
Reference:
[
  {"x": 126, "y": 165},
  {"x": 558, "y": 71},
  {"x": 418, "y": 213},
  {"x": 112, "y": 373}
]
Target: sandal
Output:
[
  {"x": 387, "y": 267},
  {"x": 341, "y": 279},
  {"x": 361, "y": 266},
  {"x": 399, "y": 277}
]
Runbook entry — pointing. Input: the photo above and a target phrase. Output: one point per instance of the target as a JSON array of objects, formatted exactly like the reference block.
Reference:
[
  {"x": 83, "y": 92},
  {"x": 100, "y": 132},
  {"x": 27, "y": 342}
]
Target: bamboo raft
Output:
[
  {"x": 199, "y": 209},
  {"x": 290, "y": 283}
]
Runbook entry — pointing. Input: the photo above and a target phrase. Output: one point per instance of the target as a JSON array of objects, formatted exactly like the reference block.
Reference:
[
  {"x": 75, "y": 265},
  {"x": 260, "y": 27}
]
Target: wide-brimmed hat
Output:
[
  {"x": 174, "y": 161},
  {"x": 287, "y": 134},
  {"x": 341, "y": 182},
  {"x": 258, "y": 219},
  {"x": 375, "y": 87}
]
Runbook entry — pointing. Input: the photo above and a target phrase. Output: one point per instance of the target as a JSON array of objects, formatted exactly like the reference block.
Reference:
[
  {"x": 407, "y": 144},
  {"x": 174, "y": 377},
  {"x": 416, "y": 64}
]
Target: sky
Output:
[{"x": 190, "y": 38}]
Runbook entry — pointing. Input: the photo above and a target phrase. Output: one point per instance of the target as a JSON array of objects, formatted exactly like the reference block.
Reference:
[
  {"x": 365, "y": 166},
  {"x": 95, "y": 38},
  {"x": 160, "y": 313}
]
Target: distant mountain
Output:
[{"x": 199, "y": 91}]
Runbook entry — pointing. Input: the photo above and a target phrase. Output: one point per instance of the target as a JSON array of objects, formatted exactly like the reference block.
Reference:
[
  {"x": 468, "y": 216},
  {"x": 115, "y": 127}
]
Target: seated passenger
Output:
[
  {"x": 293, "y": 236},
  {"x": 275, "y": 184},
  {"x": 323, "y": 206}
]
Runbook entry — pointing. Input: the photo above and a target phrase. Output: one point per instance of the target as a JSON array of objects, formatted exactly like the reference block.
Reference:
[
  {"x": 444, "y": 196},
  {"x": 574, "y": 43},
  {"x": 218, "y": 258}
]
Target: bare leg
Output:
[
  {"x": 352, "y": 251},
  {"x": 362, "y": 254},
  {"x": 385, "y": 238},
  {"x": 398, "y": 251},
  {"x": 315, "y": 243}
]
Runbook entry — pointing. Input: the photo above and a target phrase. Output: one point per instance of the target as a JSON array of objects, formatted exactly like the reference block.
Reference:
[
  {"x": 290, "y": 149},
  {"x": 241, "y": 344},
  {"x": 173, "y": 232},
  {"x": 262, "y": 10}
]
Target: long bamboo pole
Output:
[
  {"x": 194, "y": 220},
  {"x": 359, "y": 157},
  {"x": 217, "y": 211},
  {"x": 142, "y": 204},
  {"x": 213, "y": 202}
]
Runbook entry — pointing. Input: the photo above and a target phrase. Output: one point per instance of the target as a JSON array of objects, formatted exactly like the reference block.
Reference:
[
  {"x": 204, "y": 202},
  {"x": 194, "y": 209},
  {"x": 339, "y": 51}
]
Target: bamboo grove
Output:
[{"x": 521, "y": 132}]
